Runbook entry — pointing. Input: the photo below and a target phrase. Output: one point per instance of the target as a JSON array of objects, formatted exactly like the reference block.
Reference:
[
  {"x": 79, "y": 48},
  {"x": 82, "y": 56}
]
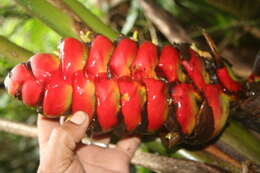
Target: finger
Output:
[
  {"x": 129, "y": 145},
  {"x": 62, "y": 142},
  {"x": 45, "y": 126},
  {"x": 97, "y": 169},
  {"x": 111, "y": 159},
  {"x": 74, "y": 167}
]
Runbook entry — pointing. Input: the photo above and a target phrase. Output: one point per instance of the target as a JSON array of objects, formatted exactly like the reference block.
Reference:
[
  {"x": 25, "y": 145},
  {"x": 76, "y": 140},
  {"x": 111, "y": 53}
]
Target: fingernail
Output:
[{"x": 78, "y": 118}]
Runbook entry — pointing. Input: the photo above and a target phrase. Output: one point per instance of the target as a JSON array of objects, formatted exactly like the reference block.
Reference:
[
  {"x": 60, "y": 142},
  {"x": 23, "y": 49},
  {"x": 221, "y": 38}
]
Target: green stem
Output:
[
  {"x": 12, "y": 53},
  {"x": 52, "y": 16},
  {"x": 242, "y": 141},
  {"x": 203, "y": 156},
  {"x": 131, "y": 17},
  {"x": 91, "y": 20},
  {"x": 63, "y": 20}
]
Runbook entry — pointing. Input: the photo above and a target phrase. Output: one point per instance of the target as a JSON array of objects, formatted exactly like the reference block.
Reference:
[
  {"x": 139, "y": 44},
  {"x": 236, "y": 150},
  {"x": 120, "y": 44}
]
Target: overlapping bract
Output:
[{"x": 124, "y": 83}]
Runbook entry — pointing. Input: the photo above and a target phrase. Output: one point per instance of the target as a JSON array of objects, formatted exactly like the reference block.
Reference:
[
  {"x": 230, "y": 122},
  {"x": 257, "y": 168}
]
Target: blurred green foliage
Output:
[
  {"x": 26, "y": 31},
  {"x": 19, "y": 154}
]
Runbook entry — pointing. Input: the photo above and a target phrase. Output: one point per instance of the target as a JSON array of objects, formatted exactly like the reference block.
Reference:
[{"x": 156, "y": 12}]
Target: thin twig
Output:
[
  {"x": 154, "y": 162},
  {"x": 18, "y": 128}
]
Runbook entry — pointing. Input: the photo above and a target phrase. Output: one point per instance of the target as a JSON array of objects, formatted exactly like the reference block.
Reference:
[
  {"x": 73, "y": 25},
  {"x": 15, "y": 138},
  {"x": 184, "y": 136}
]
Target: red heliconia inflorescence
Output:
[{"x": 138, "y": 87}]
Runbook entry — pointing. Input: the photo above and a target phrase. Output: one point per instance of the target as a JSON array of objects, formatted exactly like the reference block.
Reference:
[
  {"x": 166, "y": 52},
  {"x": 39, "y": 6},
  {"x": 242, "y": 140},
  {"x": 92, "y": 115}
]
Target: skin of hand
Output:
[{"x": 62, "y": 152}]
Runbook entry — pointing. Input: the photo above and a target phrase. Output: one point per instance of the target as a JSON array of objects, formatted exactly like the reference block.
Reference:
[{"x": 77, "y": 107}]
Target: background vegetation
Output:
[{"x": 233, "y": 24}]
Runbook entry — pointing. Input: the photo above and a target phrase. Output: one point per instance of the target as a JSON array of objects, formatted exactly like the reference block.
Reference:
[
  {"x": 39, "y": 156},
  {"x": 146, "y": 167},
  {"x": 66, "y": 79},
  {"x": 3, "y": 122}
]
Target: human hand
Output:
[{"x": 62, "y": 152}]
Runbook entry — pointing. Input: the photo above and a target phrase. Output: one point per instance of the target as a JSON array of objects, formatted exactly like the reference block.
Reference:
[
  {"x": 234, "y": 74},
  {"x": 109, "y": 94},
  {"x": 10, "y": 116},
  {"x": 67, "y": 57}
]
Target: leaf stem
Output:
[
  {"x": 52, "y": 16},
  {"x": 239, "y": 138},
  {"x": 13, "y": 53},
  {"x": 91, "y": 20}
]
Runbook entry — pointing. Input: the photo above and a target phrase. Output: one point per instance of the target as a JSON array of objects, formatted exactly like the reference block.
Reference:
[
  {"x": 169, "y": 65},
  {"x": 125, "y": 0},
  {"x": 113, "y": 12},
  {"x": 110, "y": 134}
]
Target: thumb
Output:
[
  {"x": 75, "y": 127},
  {"x": 71, "y": 132},
  {"x": 62, "y": 142}
]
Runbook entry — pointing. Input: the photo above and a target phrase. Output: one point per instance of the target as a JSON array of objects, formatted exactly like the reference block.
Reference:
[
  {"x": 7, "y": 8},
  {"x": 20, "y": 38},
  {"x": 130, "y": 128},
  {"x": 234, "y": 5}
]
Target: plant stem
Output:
[
  {"x": 68, "y": 17},
  {"x": 13, "y": 53},
  {"x": 203, "y": 156},
  {"x": 52, "y": 16},
  {"x": 90, "y": 19},
  {"x": 242, "y": 141},
  {"x": 131, "y": 17}
]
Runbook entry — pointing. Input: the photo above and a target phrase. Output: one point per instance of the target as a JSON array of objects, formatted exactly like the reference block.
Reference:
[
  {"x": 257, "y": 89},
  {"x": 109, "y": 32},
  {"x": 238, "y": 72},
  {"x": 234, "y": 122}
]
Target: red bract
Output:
[
  {"x": 122, "y": 58},
  {"x": 43, "y": 66},
  {"x": 170, "y": 64},
  {"x": 21, "y": 73},
  {"x": 157, "y": 105},
  {"x": 219, "y": 103},
  {"x": 99, "y": 55},
  {"x": 83, "y": 94},
  {"x": 108, "y": 102},
  {"x": 57, "y": 97},
  {"x": 12, "y": 86},
  {"x": 145, "y": 61},
  {"x": 31, "y": 92},
  {"x": 227, "y": 80},
  {"x": 133, "y": 98},
  {"x": 195, "y": 68},
  {"x": 185, "y": 98},
  {"x": 73, "y": 55},
  {"x": 16, "y": 79}
]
